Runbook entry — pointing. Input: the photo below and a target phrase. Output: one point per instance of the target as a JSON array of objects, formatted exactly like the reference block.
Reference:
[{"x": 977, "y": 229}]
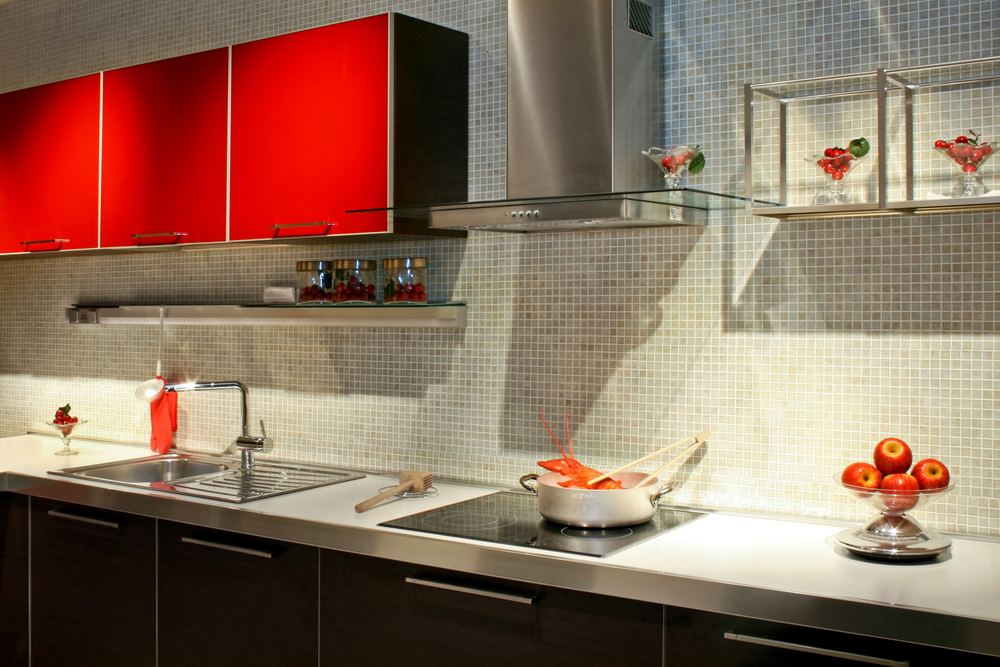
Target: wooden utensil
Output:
[
  {"x": 410, "y": 480},
  {"x": 698, "y": 438},
  {"x": 663, "y": 467}
]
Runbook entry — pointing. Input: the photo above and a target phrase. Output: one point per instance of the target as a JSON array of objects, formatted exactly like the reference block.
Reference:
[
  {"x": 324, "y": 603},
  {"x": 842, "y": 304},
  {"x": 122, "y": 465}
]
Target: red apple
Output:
[
  {"x": 892, "y": 456},
  {"x": 931, "y": 474},
  {"x": 862, "y": 475},
  {"x": 901, "y": 492}
]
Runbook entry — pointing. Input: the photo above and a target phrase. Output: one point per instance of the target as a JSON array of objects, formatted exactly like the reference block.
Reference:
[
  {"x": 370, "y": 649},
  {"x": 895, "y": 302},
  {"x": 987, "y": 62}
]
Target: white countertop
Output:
[{"x": 798, "y": 557}]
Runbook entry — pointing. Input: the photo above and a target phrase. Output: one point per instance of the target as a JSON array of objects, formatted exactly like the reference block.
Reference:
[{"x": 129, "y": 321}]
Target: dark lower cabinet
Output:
[
  {"x": 699, "y": 638},
  {"x": 379, "y": 612},
  {"x": 99, "y": 597},
  {"x": 13, "y": 580},
  {"x": 93, "y": 587},
  {"x": 230, "y": 599}
]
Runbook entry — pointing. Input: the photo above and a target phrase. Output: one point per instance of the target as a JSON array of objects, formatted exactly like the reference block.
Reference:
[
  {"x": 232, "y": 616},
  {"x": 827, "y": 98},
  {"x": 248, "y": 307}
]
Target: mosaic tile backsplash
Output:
[{"x": 798, "y": 344}]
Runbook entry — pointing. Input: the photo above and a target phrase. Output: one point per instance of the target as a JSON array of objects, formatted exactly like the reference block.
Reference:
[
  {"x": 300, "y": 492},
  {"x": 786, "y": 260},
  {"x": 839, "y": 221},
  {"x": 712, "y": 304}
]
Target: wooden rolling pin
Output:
[{"x": 410, "y": 480}]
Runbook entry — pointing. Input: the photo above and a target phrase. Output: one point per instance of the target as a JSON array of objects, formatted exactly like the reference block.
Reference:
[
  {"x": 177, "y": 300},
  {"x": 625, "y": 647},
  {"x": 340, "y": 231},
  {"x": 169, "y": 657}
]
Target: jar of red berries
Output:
[
  {"x": 404, "y": 280},
  {"x": 354, "y": 281},
  {"x": 313, "y": 282}
]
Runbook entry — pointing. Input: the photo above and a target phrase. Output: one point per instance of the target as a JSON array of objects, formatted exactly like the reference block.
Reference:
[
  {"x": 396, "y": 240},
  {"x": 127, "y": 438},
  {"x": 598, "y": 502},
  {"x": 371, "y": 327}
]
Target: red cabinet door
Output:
[
  {"x": 165, "y": 151},
  {"x": 310, "y": 131},
  {"x": 49, "y": 166}
]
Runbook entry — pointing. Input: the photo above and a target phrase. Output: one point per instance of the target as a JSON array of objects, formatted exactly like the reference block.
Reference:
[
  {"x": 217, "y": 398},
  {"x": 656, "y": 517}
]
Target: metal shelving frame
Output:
[
  {"x": 899, "y": 79},
  {"x": 883, "y": 82}
]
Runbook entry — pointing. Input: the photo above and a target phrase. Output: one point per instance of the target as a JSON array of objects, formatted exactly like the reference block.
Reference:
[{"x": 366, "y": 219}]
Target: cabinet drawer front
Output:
[
  {"x": 13, "y": 580},
  {"x": 229, "y": 599},
  {"x": 93, "y": 586},
  {"x": 473, "y": 619},
  {"x": 703, "y": 638}
]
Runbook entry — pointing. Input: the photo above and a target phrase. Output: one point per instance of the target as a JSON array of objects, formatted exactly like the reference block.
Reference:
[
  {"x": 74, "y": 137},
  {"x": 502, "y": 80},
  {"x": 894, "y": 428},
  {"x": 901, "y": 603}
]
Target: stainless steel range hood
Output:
[{"x": 584, "y": 93}]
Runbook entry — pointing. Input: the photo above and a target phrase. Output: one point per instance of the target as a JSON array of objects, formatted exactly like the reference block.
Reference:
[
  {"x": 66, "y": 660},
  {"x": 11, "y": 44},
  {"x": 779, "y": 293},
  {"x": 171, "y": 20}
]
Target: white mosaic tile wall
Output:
[{"x": 799, "y": 345}]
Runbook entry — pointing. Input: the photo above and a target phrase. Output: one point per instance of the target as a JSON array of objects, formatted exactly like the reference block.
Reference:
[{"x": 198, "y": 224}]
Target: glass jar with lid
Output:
[
  {"x": 313, "y": 282},
  {"x": 404, "y": 280},
  {"x": 354, "y": 281}
]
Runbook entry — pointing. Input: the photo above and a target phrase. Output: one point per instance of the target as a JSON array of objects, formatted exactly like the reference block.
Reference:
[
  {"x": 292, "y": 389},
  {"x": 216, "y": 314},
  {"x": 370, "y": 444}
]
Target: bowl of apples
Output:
[{"x": 893, "y": 487}]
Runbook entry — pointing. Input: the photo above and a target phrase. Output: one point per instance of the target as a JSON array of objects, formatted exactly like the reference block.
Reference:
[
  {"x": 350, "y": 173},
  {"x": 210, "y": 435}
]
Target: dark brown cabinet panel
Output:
[
  {"x": 93, "y": 587},
  {"x": 379, "y": 612},
  {"x": 13, "y": 580},
  {"x": 229, "y": 599},
  {"x": 698, "y": 638}
]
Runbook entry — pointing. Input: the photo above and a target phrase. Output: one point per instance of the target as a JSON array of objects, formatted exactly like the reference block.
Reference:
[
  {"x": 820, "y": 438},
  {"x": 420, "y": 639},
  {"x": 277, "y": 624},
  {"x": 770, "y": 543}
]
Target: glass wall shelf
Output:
[
  {"x": 657, "y": 208},
  {"x": 436, "y": 315}
]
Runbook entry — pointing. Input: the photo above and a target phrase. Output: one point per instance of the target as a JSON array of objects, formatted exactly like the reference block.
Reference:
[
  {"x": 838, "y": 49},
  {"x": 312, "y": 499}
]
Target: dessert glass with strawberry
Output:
[
  {"x": 65, "y": 424},
  {"x": 835, "y": 164},
  {"x": 676, "y": 161},
  {"x": 967, "y": 154}
]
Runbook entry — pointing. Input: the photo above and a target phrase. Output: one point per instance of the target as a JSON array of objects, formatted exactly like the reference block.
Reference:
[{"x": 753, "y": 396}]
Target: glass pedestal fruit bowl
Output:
[
  {"x": 835, "y": 170},
  {"x": 66, "y": 433},
  {"x": 892, "y": 535},
  {"x": 968, "y": 159},
  {"x": 676, "y": 162}
]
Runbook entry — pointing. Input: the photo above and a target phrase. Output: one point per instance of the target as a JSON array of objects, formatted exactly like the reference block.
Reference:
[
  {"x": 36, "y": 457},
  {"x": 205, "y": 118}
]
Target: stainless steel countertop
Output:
[{"x": 636, "y": 576}]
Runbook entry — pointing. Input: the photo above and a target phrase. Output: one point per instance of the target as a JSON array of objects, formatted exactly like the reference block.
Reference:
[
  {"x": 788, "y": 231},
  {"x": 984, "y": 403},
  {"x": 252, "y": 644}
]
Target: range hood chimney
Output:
[{"x": 584, "y": 93}]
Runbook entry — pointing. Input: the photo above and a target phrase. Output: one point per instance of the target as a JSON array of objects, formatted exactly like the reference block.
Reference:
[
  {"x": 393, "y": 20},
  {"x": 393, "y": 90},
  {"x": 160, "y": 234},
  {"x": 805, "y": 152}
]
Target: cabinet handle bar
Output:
[
  {"x": 155, "y": 234},
  {"x": 45, "y": 241},
  {"x": 523, "y": 599},
  {"x": 856, "y": 657},
  {"x": 228, "y": 547},
  {"x": 302, "y": 224},
  {"x": 84, "y": 519}
]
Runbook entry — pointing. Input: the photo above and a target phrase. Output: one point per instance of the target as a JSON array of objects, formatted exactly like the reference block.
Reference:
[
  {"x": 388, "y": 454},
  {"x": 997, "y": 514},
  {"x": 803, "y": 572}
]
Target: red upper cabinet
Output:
[
  {"x": 49, "y": 166},
  {"x": 321, "y": 117},
  {"x": 310, "y": 130},
  {"x": 165, "y": 151}
]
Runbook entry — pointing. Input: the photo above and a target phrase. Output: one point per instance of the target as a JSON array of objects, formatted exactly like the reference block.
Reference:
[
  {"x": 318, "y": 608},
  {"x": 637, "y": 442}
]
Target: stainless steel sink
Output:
[
  {"x": 147, "y": 471},
  {"x": 210, "y": 476}
]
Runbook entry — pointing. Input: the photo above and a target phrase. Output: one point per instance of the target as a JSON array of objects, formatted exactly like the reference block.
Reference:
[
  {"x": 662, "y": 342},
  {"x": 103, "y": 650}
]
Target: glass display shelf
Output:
[
  {"x": 436, "y": 315},
  {"x": 655, "y": 208}
]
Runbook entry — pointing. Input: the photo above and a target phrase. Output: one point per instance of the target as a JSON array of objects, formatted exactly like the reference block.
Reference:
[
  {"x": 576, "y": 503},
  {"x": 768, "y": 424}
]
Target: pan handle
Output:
[
  {"x": 530, "y": 477},
  {"x": 660, "y": 492}
]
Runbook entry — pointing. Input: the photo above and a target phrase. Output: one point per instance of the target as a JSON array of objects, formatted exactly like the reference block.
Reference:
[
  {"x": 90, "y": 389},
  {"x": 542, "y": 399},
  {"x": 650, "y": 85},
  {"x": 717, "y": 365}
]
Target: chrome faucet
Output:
[{"x": 246, "y": 443}]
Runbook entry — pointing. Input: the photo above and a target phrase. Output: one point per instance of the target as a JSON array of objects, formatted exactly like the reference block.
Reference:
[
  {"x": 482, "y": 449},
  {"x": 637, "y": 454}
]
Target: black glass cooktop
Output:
[{"x": 513, "y": 518}]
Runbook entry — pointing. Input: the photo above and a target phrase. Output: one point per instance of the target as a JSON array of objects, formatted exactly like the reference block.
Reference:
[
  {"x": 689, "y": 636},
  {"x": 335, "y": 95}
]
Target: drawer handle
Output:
[
  {"x": 156, "y": 234},
  {"x": 84, "y": 519},
  {"x": 228, "y": 547},
  {"x": 45, "y": 241},
  {"x": 856, "y": 657},
  {"x": 523, "y": 599}
]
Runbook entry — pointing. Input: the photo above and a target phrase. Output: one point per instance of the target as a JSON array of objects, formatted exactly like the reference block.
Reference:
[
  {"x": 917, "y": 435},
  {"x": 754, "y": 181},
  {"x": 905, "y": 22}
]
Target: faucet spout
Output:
[{"x": 246, "y": 443}]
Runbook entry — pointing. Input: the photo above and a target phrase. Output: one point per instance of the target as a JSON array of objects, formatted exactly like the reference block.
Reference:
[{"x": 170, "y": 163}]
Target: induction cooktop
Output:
[{"x": 512, "y": 518}]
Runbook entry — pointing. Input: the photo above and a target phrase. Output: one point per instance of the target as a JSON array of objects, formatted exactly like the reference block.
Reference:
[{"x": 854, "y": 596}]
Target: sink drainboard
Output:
[{"x": 261, "y": 481}]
